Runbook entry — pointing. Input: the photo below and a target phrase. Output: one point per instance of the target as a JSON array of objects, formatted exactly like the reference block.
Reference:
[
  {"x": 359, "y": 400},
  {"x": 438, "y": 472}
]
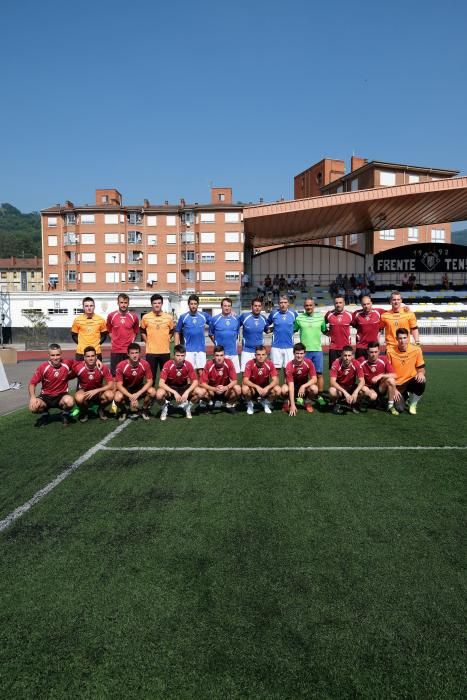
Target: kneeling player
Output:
[
  {"x": 346, "y": 381},
  {"x": 260, "y": 381},
  {"x": 218, "y": 381},
  {"x": 95, "y": 384},
  {"x": 177, "y": 381},
  {"x": 409, "y": 367},
  {"x": 380, "y": 378},
  {"x": 302, "y": 382},
  {"x": 134, "y": 382},
  {"x": 53, "y": 377}
]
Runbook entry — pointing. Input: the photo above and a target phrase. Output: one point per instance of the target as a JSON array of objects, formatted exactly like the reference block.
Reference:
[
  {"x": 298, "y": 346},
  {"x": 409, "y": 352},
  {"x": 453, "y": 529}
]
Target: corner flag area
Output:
[{"x": 263, "y": 556}]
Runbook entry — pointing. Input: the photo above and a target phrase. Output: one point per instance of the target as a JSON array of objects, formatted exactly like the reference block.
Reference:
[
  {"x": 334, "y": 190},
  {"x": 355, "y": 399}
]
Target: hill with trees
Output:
[{"x": 20, "y": 234}]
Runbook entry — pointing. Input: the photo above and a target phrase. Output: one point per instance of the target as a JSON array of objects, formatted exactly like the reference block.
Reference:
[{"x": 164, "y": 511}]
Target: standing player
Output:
[
  {"x": 95, "y": 384},
  {"x": 367, "y": 321},
  {"x": 123, "y": 327},
  {"x": 346, "y": 381},
  {"x": 282, "y": 321},
  {"x": 177, "y": 381},
  {"x": 311, "y": 325},
  {"x": 252, "y": 324},
  {"x": 260, "y": 381},
  {"x": 218, "y": 381},
  {"x": 338, "y": 323},
  {"x": 301, "y": 382},
  {"x": 53, "y": 376},
  {"x": 409, "y": 367},
  {"x": 88, "y": 329},
  {"x": 134, "y": 382},
  {"x": 223, "y": 330},
  {"x": 157, "y": 328},
  {"x": 380, "y": 378},
  {"x": 398, "y": 317},
  {"x": 190, "y": 332}
]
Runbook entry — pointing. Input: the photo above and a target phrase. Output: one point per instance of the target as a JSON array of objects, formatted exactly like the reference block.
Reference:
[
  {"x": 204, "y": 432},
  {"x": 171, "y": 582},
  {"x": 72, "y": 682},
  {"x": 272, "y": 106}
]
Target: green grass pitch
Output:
[{"x": 239, "y": 574}]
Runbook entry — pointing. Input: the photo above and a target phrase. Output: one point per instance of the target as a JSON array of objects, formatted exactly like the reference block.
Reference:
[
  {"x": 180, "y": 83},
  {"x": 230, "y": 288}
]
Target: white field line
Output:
[
  {"x": 39, "y": 495},
  {"x": 310, "y": 448}
]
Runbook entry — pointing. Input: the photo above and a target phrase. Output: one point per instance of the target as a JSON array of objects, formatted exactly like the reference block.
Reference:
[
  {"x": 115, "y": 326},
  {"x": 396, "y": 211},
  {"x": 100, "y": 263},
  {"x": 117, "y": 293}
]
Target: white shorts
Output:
[
  {"x": 197, "y": 359},
  {"x": 281, "y": 356},
  {"x": 235, "y": 361},
  {"x": 245, "y": 357}
]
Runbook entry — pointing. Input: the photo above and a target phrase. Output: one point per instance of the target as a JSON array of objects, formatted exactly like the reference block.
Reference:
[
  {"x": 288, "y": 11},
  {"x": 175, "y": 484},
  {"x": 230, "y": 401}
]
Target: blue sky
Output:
[{"x": 163, "y": 99}]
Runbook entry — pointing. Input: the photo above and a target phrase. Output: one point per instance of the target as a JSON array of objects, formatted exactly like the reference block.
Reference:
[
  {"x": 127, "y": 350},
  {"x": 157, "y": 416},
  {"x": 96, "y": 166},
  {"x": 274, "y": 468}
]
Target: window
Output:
[
  {"x": 112, "y": 277},
  {"x": 233, "y": 256},
  {"x": 3, "y": 275},
  {"x": 87, "y": 218},
  {"x": 340, "y": 189},
  {"x": 232, "y": 237},
  {"x": 104, "y": 198},
  {"x": 88, "y": 277},
  {"x": 171, "y": 258},
  {"x": 412, "y": 234},
  {"x": 88, "y": 238},
  {"x": 171, "y": 220},
  {"x": 111, "y": 219},
  {"x": 208, "y": 237},
  {"x": 208, "y": 217},
  {"x": 388, "y": 234},
  {"x": 152, "y": 259},
  {"x": 152, "y": 240},
  {"x": 135, "y": 256},
  {"x": 188, "y": 217},
  {"x": 151, "y": 220},
  {"x": 208, "y": 257},
  {"x": 232, "y": 217},
  {"x": 208, "y": 276},
  {"x": 70, "y": 219},
  {"x": 70, "y": 238},
  {"x": 221, "y": 197},
  {"x": 187, "y": 237},
  {"x": 353, "y": 239},
  {"x": 53, "y": 259},
  {"x": 339, "y": 241},
  {"x": 51, "y": 221},
  {"x": 354, "y": 184},
  {"x": 325, "y": 241},
  {"x": 414, "y": 178},
  {"x": 88, "y": 257},
  {"x": 152, "y": 278},
  {"x": 134, "y": 217},
  {"x": 232, "y": 276},
  {"x": 135, "y": 237},
  {"x": 188, "y": 256},
  {"x": 387, "y": 179},
  {"x": 171, "y": 278},
  {"x": 171, "y": 239},
  {"x": 112, "y": 258},
  {"x": 189, "y": 275},
  {"x": 52, "y": 241},
  {"x": 70, "y": 275},
  {"x": 57, "y": 310},
  {"x": 135, "y": 276},
  {"x": 111, "y": 238},
  {"x": 71, "y": 257},
  {"x": 437, "y": 235}
]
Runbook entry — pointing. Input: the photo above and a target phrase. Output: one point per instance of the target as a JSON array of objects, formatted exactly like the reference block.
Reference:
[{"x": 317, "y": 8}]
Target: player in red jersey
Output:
[
  {"x": 301, "y": 382},
  {"x": 134, "y": 382},
  {"x": 177, "y": 381},
  {"x": 338, "y": 322},
  {"x": 260, "y": 381},
  {"x": 123, "y": 327},
  {"x": 380, "y": 378},
  {"x": 95, "y": 384},
  {"x": 218, "y": 381},
  {"x": 53, "y": 376},
  {"x": 367, "y": 321},
  {"x": 346, "y": 381}
]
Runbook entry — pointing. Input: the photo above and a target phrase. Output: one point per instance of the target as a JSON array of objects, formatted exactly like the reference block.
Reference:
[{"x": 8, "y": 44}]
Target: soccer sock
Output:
[
  {"x": 414, "y": 399},
  {"x": 390, "y": 404}
]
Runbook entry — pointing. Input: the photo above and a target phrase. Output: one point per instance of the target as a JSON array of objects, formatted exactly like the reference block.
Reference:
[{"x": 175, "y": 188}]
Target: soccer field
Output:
[{"x": 238, "y": 556}]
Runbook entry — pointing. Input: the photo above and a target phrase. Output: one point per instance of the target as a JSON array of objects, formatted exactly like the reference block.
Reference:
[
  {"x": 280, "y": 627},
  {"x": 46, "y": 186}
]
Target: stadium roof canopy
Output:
[{"x": 356, "y": 212}]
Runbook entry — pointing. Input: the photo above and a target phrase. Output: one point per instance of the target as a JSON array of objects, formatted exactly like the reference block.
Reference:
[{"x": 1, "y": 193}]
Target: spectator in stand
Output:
[
  {"x": 275, "y": 287},
  {"x": 371, "y": 280},
  {"x": 412, "y": 282},
  {"x": 303, "y": 284},
  {"x": 405, "y": 281},
  {"x": 445, "y": 281},
  {"x": 245, "y": 280},
  {"x": 267, "y": 283}
]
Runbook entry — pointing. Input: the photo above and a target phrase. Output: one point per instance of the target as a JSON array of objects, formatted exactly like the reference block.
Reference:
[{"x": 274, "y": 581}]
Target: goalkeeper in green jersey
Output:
[{"x": 311, "y": 325}]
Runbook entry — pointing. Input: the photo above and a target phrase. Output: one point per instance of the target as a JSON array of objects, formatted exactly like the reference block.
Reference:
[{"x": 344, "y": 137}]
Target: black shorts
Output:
[
  {"x": 51, "y": 401},
  {"x": 361, "y": 352},
  {"x": 115, "y": 358},
  {"x": 412, "y": 387},
  {"x": 180, "y": 389},
  {"x": 156, "y": 361},
  {"x": 334, "y": 355}
]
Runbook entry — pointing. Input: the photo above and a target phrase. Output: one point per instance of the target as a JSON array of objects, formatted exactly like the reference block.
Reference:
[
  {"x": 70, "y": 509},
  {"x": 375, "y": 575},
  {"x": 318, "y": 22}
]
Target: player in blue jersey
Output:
[
  {"x": 252, "y": 324},
  {"x": 190, "y": 332},
  {"x": 223, "y": 330},
  {"x": 282, "y": 321}
]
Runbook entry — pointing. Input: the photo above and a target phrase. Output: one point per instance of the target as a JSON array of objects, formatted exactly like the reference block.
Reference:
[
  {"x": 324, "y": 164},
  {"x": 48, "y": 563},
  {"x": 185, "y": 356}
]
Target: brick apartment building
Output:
[
  {"x": 177, "y": 248},
  {"x": 328, "y": 176}
]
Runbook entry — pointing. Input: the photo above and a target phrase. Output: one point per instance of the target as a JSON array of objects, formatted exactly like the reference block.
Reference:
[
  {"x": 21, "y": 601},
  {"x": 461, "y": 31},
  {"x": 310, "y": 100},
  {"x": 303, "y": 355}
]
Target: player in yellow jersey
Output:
[
  {"x": 88, "y": 329},
  {"x": 157, "y": 329},
  {"x": 409, "y": 367},
  {"x": 398, "y": 316}
]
